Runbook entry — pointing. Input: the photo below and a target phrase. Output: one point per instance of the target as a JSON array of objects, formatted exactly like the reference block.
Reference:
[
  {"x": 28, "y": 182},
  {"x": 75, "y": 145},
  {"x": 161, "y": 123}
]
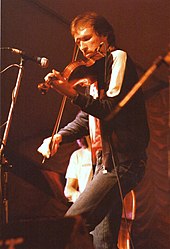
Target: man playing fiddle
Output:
[{"x": 121, "y": 140}]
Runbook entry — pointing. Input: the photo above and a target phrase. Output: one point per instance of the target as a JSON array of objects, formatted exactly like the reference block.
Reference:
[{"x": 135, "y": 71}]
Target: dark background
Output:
[{"x": 42, "y": 28}]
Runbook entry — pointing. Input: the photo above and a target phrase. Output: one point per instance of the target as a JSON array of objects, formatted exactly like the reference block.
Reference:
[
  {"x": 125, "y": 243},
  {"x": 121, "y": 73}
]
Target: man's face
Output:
[{"x": 89, "y": 42}]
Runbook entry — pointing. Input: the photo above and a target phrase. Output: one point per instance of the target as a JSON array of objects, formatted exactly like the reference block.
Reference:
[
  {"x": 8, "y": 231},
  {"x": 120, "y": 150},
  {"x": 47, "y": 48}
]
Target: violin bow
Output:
[{"x": 61, "y": 110}]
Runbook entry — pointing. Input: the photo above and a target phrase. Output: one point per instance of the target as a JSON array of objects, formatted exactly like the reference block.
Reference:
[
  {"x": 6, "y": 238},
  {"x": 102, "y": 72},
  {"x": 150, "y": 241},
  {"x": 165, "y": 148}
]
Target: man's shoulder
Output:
[
  {"x": 77, "y": 152},
  {"x": 119, "y": 53}
]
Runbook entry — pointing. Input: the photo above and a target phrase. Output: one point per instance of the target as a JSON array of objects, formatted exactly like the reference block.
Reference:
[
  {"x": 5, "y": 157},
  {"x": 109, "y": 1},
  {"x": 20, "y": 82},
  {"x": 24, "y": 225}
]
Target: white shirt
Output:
[{"x": 80, "y": 167}]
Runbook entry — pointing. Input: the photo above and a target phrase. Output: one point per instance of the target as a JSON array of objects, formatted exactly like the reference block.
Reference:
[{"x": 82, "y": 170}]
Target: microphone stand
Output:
[{"x": 4, "y": 165}]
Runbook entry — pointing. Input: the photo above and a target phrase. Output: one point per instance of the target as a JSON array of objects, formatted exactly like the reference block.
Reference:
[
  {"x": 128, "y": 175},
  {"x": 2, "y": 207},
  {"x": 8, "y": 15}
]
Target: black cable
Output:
[{"x": 120, "y": 191}]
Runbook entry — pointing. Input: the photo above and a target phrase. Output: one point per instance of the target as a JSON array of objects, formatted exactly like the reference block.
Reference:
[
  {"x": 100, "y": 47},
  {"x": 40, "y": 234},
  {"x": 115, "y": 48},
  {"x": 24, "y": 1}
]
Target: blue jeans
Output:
[{"x": 100, "y": 203}]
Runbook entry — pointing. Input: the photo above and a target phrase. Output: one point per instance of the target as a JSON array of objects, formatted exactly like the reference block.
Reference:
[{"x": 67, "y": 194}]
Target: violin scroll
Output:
[{"x": 43, "y": 87}]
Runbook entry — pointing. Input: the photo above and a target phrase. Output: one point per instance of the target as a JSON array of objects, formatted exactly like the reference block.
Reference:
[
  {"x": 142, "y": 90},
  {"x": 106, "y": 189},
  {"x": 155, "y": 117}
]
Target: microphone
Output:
[{"x": 42, "y": 61}]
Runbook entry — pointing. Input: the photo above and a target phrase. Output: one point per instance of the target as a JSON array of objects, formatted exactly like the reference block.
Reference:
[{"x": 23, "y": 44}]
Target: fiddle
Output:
[{"x": 76, "y": 73}]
